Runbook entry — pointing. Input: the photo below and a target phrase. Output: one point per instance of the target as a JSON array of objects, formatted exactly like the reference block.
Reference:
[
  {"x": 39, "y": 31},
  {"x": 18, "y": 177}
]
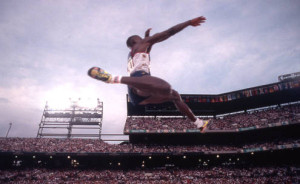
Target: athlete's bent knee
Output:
[{"x": 175, "y": 95}]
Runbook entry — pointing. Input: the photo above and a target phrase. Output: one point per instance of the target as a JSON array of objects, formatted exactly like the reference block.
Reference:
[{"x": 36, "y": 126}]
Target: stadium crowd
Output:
[
  {"x": 94, "y": 145},
  {"x": 202, "y": 175},
  {"x": 260, "y": 118}
]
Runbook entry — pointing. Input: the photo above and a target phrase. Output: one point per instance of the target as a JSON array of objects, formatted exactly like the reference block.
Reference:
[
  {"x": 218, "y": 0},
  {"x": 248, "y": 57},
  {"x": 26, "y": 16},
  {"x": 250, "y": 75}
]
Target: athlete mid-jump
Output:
[{"x": 142, "y": 87}]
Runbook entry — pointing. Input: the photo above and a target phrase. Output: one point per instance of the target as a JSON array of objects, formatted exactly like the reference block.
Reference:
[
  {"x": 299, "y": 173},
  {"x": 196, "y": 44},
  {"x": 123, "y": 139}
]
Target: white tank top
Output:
[{"x": 139, "y": 62}]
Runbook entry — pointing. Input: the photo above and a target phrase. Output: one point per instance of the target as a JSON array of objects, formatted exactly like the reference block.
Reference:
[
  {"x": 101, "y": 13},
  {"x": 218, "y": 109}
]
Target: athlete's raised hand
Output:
[
  {"x": 197, "y": 21},
  {"x": 147, "y": 33}
]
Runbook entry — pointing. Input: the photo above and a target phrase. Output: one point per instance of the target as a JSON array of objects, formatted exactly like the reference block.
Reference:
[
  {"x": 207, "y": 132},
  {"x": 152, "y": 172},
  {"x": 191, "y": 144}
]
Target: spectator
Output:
[
  {"x": 93, "y": 145},
  {"x": 202, "y": 175}
]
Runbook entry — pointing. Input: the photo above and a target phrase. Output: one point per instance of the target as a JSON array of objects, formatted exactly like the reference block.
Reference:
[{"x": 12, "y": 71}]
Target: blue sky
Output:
[{"x": 46, "y": 48}]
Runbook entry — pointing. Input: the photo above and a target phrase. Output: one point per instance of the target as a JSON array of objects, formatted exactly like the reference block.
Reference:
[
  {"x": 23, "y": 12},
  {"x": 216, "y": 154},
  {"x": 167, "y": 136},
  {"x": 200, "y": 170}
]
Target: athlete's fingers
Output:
[{"x": 197, "y": 21}]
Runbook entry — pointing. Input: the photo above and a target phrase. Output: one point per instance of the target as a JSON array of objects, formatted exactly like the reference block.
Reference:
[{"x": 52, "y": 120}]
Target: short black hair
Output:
[{"x": 130, "y": 42}]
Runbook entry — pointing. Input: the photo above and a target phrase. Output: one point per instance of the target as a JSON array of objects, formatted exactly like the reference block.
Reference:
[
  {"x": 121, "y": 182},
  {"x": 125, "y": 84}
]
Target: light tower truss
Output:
[{"x": 73, "y": 122}]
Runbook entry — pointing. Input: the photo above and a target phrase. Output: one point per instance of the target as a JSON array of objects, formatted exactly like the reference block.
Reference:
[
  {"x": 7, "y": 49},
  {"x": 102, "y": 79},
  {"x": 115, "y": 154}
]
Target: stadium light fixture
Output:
[
  {"x": 150, "y": 157},
  {"x": 33, "y": 156},
  {"x": 184, "y": 157},
  {"x": 218, "y": 156},
  {"x": 10, "y": 124}
]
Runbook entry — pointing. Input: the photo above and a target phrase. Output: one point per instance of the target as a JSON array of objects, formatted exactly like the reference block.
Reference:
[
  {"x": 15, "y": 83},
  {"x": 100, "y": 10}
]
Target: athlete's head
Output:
[{"x": 132, "y": 40}]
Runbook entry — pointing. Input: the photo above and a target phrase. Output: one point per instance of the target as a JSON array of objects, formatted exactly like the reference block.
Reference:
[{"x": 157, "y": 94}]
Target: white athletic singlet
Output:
[{"x": 139, "y": 62}]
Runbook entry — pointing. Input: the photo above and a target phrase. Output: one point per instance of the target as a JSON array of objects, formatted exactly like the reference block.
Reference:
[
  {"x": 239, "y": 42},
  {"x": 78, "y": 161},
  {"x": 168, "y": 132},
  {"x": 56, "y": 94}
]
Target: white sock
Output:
[{"x": 199, "y": 122}]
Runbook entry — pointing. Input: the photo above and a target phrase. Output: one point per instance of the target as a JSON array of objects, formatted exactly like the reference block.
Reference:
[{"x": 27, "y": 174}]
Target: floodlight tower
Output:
[
  {"x": 84, "y": 120},
  {"x": 10, "y": 124}
]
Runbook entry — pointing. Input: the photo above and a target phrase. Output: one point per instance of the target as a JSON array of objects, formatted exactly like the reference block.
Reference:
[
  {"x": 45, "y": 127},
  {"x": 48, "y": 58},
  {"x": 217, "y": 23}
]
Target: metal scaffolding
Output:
[{"x": 72, "y": 122}]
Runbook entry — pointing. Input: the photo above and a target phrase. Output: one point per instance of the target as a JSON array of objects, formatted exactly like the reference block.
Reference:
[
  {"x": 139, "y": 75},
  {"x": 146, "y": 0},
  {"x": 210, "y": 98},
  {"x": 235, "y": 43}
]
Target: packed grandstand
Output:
[{"x": 252, "y": 138}]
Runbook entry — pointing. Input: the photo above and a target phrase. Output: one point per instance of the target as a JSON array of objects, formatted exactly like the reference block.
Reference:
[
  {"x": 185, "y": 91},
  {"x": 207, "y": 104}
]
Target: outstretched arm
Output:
[{"x": 159, "y": 37}]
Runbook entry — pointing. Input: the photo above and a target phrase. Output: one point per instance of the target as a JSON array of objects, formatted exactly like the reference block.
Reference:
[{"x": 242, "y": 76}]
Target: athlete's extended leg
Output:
[{"x": 149, "y": 85}]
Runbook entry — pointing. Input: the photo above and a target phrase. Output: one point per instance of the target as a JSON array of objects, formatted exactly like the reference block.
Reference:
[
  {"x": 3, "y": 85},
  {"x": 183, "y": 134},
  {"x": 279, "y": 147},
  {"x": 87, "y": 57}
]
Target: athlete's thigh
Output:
[
  {"x": 140, "y": 91},
  {"x": 156, "y": 86},
  {"x": 154, "y": 100},
  {"x": 157, "y": 99},
  {"x": 151, "y": 86},
  {"x": 139, "y": 97},
  {"x": 155, "y": 81},
  {"x": 134, "y": 97}
]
